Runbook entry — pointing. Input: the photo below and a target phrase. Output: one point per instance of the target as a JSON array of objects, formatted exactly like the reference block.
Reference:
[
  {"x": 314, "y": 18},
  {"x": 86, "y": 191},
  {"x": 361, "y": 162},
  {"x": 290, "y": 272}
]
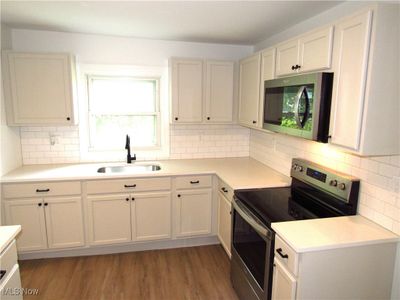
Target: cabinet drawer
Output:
[
  {"x": 8, "y": 259},
  {"x": 190, "y": 182},
  {"x": 128, "y": 185},
  {"x": 225, "y": 189},
  {"x": 22, "y": 190},
  {"x": 286, "y": 255}
]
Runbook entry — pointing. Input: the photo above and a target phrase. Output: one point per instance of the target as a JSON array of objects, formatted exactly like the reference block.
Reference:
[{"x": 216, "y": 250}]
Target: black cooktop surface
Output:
[{"x": 268, "y": 204}]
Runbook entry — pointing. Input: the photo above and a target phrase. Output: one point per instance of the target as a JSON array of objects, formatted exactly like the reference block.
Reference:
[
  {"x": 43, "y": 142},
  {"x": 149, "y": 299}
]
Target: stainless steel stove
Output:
[{"x": 315, "y": 192}]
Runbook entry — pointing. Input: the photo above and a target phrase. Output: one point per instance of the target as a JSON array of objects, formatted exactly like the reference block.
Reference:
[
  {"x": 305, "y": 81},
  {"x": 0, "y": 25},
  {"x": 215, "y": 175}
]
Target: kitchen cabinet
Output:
[
  {"x": 186, "y": 90},
  {"x": 309, "y": 52},
  {"x": 365, "y": 106},
  {"x": 326, "y": 273},
  {"x": 47, "y": 221},
  {"x": 219, "y": 91},
  {"x": 249, "y": 91},
  {"x": 267, "y": 67},
  {"x": 125, "y": 210},
  {"x": 39, "y": 88},
  {"x": 193, "y": 206},
  {"x": 201, "y": 91},
  {"x": 10, "y": 280},
  {"x": 225, "y": 195}
]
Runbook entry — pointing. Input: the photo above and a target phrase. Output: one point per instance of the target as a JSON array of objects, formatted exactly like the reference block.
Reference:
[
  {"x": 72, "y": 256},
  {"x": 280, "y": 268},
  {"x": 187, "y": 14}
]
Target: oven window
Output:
[{"x": 251, "y": 248}]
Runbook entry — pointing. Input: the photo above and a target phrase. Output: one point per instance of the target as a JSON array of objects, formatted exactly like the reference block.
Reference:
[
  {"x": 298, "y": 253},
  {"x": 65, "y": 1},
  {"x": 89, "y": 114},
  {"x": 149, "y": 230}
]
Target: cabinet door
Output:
[
  {"x": 267, "y": 65},
  {"x": 219, "y": 91},
  {"x": 109, "y": 218},
  {"x": 283, "y": 283},
  {"x": 151, "y": 216},
  {"x": 12, "y": 283},
  {"x": 287, "y": 56},
  {"x": 193, "y": 212},
  {"x": 28, "y": 213},
  {"x": 64, "y": 222},
  {"x": 224, "y": 222},
  {"x": 187, "y": 90},
  {"x": 316, "y": 50},
  {"x": 351, "y": 50},
  {"x": 39, "y": 88},
  {"x": 249, "y": 87}
]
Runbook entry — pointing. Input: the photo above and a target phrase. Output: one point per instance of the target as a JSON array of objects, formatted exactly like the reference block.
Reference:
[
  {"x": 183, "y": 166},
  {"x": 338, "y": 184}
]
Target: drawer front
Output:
[
  {"x": 192, "y": 182},
  {"x": 23, "y": 190},
  {"x": 128, "y": 185},
  {"x": 225, "y": 189},
  {"x": 8, "y": 259},
  {"x": 286, "y": 255}
]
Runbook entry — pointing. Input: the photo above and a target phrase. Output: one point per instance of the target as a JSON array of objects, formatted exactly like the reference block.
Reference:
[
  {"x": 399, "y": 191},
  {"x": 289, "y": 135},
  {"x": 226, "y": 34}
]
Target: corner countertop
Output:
[
  {"x": 237, "y": 172},
  {"x": 7, "y": 234},
  {"x": 332, "y": 233}
]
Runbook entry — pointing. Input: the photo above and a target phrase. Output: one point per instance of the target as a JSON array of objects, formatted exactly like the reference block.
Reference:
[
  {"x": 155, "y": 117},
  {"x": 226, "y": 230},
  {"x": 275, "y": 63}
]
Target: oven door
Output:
[{"x": 252, "y": 254}]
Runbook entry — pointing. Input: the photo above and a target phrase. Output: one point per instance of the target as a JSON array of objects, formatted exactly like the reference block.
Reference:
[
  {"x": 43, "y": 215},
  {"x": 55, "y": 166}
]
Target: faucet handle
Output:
[{"x": 134, "y": 156}]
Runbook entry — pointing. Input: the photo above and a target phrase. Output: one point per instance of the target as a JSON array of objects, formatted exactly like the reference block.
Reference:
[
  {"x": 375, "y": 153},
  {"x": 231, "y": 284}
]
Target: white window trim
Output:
[{"x": 93, "y": 155}]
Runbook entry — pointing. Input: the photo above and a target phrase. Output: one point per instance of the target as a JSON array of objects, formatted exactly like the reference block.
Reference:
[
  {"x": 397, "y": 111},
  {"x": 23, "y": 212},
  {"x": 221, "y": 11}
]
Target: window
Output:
[{"x": 121, "y": 105}]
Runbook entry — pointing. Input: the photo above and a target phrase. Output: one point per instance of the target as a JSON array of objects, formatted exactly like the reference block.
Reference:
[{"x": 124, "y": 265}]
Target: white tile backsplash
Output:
[
  {"x": 186, "y": 141},
  {"x": 379, "y": 197}
]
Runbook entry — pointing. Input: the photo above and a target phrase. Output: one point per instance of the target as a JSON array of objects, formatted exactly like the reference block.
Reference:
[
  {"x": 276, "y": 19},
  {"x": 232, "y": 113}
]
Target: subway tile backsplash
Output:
[
  {"x": 380, "y": 176},
  {"x": 186, "y": 141}
]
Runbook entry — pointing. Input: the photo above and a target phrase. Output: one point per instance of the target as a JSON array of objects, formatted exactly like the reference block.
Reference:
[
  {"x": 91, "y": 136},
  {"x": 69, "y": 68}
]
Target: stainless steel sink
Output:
[{"x": 129, "y": 169}]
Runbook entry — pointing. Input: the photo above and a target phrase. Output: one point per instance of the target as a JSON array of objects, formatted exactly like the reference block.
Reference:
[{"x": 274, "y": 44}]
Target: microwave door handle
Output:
[
  {"x": 308, "y": 105},
  {"x": 297, "y": 106}
]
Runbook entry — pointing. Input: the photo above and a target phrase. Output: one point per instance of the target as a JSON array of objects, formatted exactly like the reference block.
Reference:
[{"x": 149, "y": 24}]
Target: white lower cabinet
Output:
[
  {"x": 109, "y": 219},
  {"x": 10, "y": 280},
  {"x": 224, "y": 222},
  {"x": 193, "y": 212},
  {"x": 151, "y": 216},
  {"x": 121, "y": 218},
  {"x": 54, "y": 222},
  {"x": 284, "y": 284}
]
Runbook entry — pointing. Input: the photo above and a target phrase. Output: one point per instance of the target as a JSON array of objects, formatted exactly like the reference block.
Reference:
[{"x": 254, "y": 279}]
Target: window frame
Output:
[
  {"x": 160, "y": 72},
  {"x": 156, "y": 113}
]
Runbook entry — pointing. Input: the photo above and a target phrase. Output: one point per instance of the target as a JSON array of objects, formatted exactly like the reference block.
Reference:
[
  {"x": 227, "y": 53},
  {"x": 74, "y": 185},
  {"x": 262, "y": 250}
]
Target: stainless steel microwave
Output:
[{"x": 299, "y": 105}]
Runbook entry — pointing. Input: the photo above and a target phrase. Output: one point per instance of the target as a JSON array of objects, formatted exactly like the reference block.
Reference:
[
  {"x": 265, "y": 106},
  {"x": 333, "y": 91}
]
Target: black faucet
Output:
[{"x": 129, "y": 158}]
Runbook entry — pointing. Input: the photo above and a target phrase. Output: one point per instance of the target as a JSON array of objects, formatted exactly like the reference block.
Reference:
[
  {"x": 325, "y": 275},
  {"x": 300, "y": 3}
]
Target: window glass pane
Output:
[
  {"x": 108, "y": 131},
  {"x": 121, "y": 95}
]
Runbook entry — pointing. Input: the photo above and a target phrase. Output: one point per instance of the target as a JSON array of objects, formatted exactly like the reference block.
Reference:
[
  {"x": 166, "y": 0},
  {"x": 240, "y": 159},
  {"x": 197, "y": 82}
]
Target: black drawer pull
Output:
[
  {"x": 2, "y": 273},
  {"x": 194, "y": 182},
  {"x": 46, "y": 204},
  {"x": 279, "y": 250},
  {"x": 129, "y": 185},
  {"x": 42, "y": 191},
  {"x": 127, "y": 199},
  {"x": 39, "y": 204},
  {"x": 224, "y": 190}
]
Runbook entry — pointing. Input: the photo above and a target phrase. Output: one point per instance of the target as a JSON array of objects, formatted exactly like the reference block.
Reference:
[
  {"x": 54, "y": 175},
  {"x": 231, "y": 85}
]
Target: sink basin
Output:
[{"x": 129, "y": 169}]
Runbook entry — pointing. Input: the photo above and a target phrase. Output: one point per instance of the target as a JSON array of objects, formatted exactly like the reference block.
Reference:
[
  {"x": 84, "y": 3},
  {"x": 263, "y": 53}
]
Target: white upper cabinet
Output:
[
  {"x": 309, "y": 52},
  {"x": 39, "y": 88},
  {"x": 267, "y": 65},
  {"x": 201, "y": 91},
  {"x": 365, "y": 99},
  {"x": 219, "y": 91},
  {"x": 187, "y": 90},
  {"x": 249, "y": 91}
]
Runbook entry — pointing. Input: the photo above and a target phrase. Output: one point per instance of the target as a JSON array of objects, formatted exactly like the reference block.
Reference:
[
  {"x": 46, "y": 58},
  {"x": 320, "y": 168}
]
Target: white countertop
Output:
[
  {"x": 7, "y": 234},
  {"x": 238, "y": 173},
  {"x": 331, "y": 233}
]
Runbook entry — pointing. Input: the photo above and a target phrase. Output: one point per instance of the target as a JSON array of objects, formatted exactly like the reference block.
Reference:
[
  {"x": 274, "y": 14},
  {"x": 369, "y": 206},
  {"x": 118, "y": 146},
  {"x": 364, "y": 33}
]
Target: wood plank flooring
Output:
[{"x": 184, "y": 273}]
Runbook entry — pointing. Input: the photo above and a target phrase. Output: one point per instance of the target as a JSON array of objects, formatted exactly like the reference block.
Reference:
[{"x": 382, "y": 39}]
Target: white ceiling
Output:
[{"x": 229, "y": 22}]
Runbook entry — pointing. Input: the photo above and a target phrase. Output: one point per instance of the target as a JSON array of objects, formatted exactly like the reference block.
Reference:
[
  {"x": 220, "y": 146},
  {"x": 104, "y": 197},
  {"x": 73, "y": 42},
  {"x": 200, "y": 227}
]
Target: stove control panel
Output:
[{"x": 339, "y": 184}]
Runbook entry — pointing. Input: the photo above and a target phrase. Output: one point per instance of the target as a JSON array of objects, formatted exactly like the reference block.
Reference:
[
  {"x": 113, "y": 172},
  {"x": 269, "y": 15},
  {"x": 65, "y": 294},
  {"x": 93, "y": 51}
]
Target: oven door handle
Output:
[
  {"x": 302, "y": 90},
  {"x": 246, "y": 215}
]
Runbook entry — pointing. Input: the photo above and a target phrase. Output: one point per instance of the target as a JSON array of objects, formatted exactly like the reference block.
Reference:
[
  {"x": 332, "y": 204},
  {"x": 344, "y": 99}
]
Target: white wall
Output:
[{"x": 185, "y": 140}]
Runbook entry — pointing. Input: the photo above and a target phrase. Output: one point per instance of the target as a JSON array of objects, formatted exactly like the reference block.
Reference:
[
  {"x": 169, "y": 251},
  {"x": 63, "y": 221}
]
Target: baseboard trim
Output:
[{"x": 112, "y": 249}]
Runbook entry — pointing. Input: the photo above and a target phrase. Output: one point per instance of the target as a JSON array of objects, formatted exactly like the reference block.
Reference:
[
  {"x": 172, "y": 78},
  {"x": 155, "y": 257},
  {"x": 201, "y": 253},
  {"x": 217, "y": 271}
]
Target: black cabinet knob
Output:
[
  {"x": 127, "y": 199},
  {"x": 208, "y": 118},
  {"x": 46, "y": 204},
  {"x": 254, "y": 122},
  {"x": 133, "y": 199},
  {"x": 179, "y": 195},
  {"x": 293, "y": 68},
  {"x": 39, "y": 204},
  {"x": 68, "y": 118},
  {"x": 176, "y": 119}
]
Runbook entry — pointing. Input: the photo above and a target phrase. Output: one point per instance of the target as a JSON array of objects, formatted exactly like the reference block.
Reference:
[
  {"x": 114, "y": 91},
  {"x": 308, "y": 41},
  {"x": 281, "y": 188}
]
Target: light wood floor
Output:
[{"x": 185, "y": 273}]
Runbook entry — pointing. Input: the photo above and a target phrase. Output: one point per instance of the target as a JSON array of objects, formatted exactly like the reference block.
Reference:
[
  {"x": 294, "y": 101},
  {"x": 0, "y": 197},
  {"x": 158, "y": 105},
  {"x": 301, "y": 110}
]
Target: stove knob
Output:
[
  {"x": 333, "y": 183},
  {"x": 294, "y": 167},
  {"x": 300, "y": 169},
  {"x": 342, "y": 186}
]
